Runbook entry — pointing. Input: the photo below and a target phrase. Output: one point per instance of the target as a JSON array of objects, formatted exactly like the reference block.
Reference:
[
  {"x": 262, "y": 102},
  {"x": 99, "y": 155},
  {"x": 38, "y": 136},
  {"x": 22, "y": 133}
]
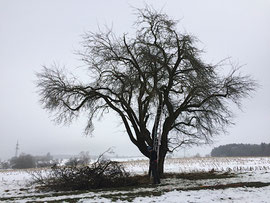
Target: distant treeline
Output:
[
  {"x": 28, "y": 161},
  {"x": 231, "y": 150}
]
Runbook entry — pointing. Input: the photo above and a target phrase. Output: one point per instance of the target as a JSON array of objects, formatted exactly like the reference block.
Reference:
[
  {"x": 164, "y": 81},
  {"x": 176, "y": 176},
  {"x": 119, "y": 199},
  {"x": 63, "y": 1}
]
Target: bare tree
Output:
[{"x": 155, "y": 77}]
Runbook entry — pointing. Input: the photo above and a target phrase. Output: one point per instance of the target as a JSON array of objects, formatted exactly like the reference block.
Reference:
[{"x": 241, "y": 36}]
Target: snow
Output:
[
  {"x": 12, "y": 180},
  {"x": 205, "y": 196},
  {"x": 15, "y": 185}
]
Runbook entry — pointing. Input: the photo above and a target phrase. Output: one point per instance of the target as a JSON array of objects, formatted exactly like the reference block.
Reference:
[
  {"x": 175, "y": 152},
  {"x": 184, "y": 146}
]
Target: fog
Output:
[{"x": 37, "y": 33}]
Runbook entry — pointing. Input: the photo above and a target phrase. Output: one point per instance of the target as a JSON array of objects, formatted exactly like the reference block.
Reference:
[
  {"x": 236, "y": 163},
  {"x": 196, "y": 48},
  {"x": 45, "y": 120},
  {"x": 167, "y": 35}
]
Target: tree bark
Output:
[{"x": 161, "y": 160}]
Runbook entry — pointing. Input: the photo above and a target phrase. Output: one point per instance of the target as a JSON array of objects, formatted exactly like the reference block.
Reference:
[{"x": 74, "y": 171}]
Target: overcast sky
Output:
[{"x": 35, "y": 33}]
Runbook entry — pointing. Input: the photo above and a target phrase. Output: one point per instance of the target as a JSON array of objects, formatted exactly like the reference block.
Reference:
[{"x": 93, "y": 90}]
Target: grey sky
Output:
[{"x": 35, "y": 33}]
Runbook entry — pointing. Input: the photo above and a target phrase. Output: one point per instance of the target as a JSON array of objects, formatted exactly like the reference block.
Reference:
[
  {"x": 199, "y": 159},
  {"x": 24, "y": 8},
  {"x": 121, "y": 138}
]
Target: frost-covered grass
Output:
[{"x": 249, "y": 175}]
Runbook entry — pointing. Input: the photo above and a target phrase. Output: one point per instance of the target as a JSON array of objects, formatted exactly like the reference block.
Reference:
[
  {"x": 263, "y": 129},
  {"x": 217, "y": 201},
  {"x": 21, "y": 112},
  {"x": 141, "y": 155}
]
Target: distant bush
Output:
[
  {"x": 101, "y": 174},
  {"x": 29, "y": 161},
  {"x": 82, "y": 159},
  {"x": 23, "y": 161},
  {"x": 232, "y": 150}
]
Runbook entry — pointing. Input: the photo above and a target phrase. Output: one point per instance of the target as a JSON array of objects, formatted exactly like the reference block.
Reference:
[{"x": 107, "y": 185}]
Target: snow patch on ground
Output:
[{"x": 15, "y": 184}]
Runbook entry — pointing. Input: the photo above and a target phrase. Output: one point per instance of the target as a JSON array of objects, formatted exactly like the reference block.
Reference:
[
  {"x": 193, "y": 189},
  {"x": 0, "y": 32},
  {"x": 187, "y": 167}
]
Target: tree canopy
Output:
[{"x": 155, "y": 76}]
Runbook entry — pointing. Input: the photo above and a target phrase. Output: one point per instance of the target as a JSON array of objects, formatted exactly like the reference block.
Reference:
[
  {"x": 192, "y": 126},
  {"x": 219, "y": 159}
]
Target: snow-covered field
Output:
[{"x": 15, "y": 185}]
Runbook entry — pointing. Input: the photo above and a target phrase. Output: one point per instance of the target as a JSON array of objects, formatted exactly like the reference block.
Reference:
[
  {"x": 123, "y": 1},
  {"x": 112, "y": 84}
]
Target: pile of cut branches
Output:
[{"x": 103, "y": 173}]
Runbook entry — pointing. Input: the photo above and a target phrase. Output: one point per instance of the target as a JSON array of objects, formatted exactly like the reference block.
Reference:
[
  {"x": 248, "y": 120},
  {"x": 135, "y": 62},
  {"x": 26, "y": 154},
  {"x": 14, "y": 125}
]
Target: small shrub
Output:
[{"x": 4, "y": 165}]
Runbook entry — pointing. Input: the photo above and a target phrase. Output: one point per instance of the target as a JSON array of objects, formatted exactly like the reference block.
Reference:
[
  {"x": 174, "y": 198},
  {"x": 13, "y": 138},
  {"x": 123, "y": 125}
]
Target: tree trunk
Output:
[
  {"x": 161, "y": 160},
  {"x": 160, "y": 166}
]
